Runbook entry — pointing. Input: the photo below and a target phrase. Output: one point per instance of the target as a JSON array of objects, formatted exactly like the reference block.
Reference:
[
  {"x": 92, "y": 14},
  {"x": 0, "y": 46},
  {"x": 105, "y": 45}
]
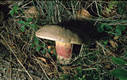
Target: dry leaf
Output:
[
  {"x": 31, "y": 12},
  {"x": 113, "y": 44},
  {"x": 49, "y": 47},
  {"x": 83, "y": 13},
  {"x": 116, "y": 37},
  {"x": 108, "y": 66},
  {"x": 42, "y": 59}
]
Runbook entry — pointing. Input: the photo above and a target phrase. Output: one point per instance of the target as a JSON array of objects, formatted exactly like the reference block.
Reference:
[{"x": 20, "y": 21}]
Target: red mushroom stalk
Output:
[{"x": 64, "y": 52}]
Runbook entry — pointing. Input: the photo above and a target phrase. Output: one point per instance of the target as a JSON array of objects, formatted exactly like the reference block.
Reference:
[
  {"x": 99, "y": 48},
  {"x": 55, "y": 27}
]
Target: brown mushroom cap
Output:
[{"x": 57, "y": 33}]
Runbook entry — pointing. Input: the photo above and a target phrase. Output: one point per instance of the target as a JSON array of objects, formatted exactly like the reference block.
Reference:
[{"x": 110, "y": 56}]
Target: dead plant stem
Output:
[{"x": 16, "y": 56}]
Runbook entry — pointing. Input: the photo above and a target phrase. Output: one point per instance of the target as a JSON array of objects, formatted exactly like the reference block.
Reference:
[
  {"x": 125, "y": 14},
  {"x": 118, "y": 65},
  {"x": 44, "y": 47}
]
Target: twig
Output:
[
  {"x": 80, "y": 54},
  {"x": 90, "y": 5},
  {"x": 53, "y": 63},
  {"x": 42, "y": 69},
  {"x": 16, "y": 57},
  {"x": 104, "y": 48},
  {"x": 26, "y": 4},
  {"x": 97, "y": 8}
]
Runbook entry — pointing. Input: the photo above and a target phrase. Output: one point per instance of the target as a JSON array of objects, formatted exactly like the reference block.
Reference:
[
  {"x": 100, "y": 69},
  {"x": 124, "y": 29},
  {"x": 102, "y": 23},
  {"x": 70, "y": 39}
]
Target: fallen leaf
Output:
[
  {"x": 49, "y": 47},
  {"x": 31, "y": 12},
  {"x": 42, "y": 59},
  {"x": 116, "y": 37},
  {"x": 108, "y": 66},
  {"x": 83, "y": 13},
  {"x": 113, "y": 43}
]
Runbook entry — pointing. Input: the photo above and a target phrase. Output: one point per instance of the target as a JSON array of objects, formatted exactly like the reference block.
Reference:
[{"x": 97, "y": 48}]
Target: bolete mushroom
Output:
[{"x": 64, "y": 40}]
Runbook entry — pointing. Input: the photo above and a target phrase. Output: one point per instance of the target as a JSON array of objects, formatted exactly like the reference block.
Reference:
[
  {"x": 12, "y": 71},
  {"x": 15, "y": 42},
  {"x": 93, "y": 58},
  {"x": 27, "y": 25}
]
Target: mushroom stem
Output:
[{"x": 64, "y": 52}]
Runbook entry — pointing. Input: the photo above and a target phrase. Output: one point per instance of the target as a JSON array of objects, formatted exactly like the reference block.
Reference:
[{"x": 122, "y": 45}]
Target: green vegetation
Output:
[{"x": 120, "y": 72}]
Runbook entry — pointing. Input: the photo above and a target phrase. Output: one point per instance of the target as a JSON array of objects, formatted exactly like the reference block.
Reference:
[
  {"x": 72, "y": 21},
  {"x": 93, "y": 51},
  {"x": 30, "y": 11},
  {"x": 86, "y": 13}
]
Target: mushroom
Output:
[{"x": 64, "y": 40}]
